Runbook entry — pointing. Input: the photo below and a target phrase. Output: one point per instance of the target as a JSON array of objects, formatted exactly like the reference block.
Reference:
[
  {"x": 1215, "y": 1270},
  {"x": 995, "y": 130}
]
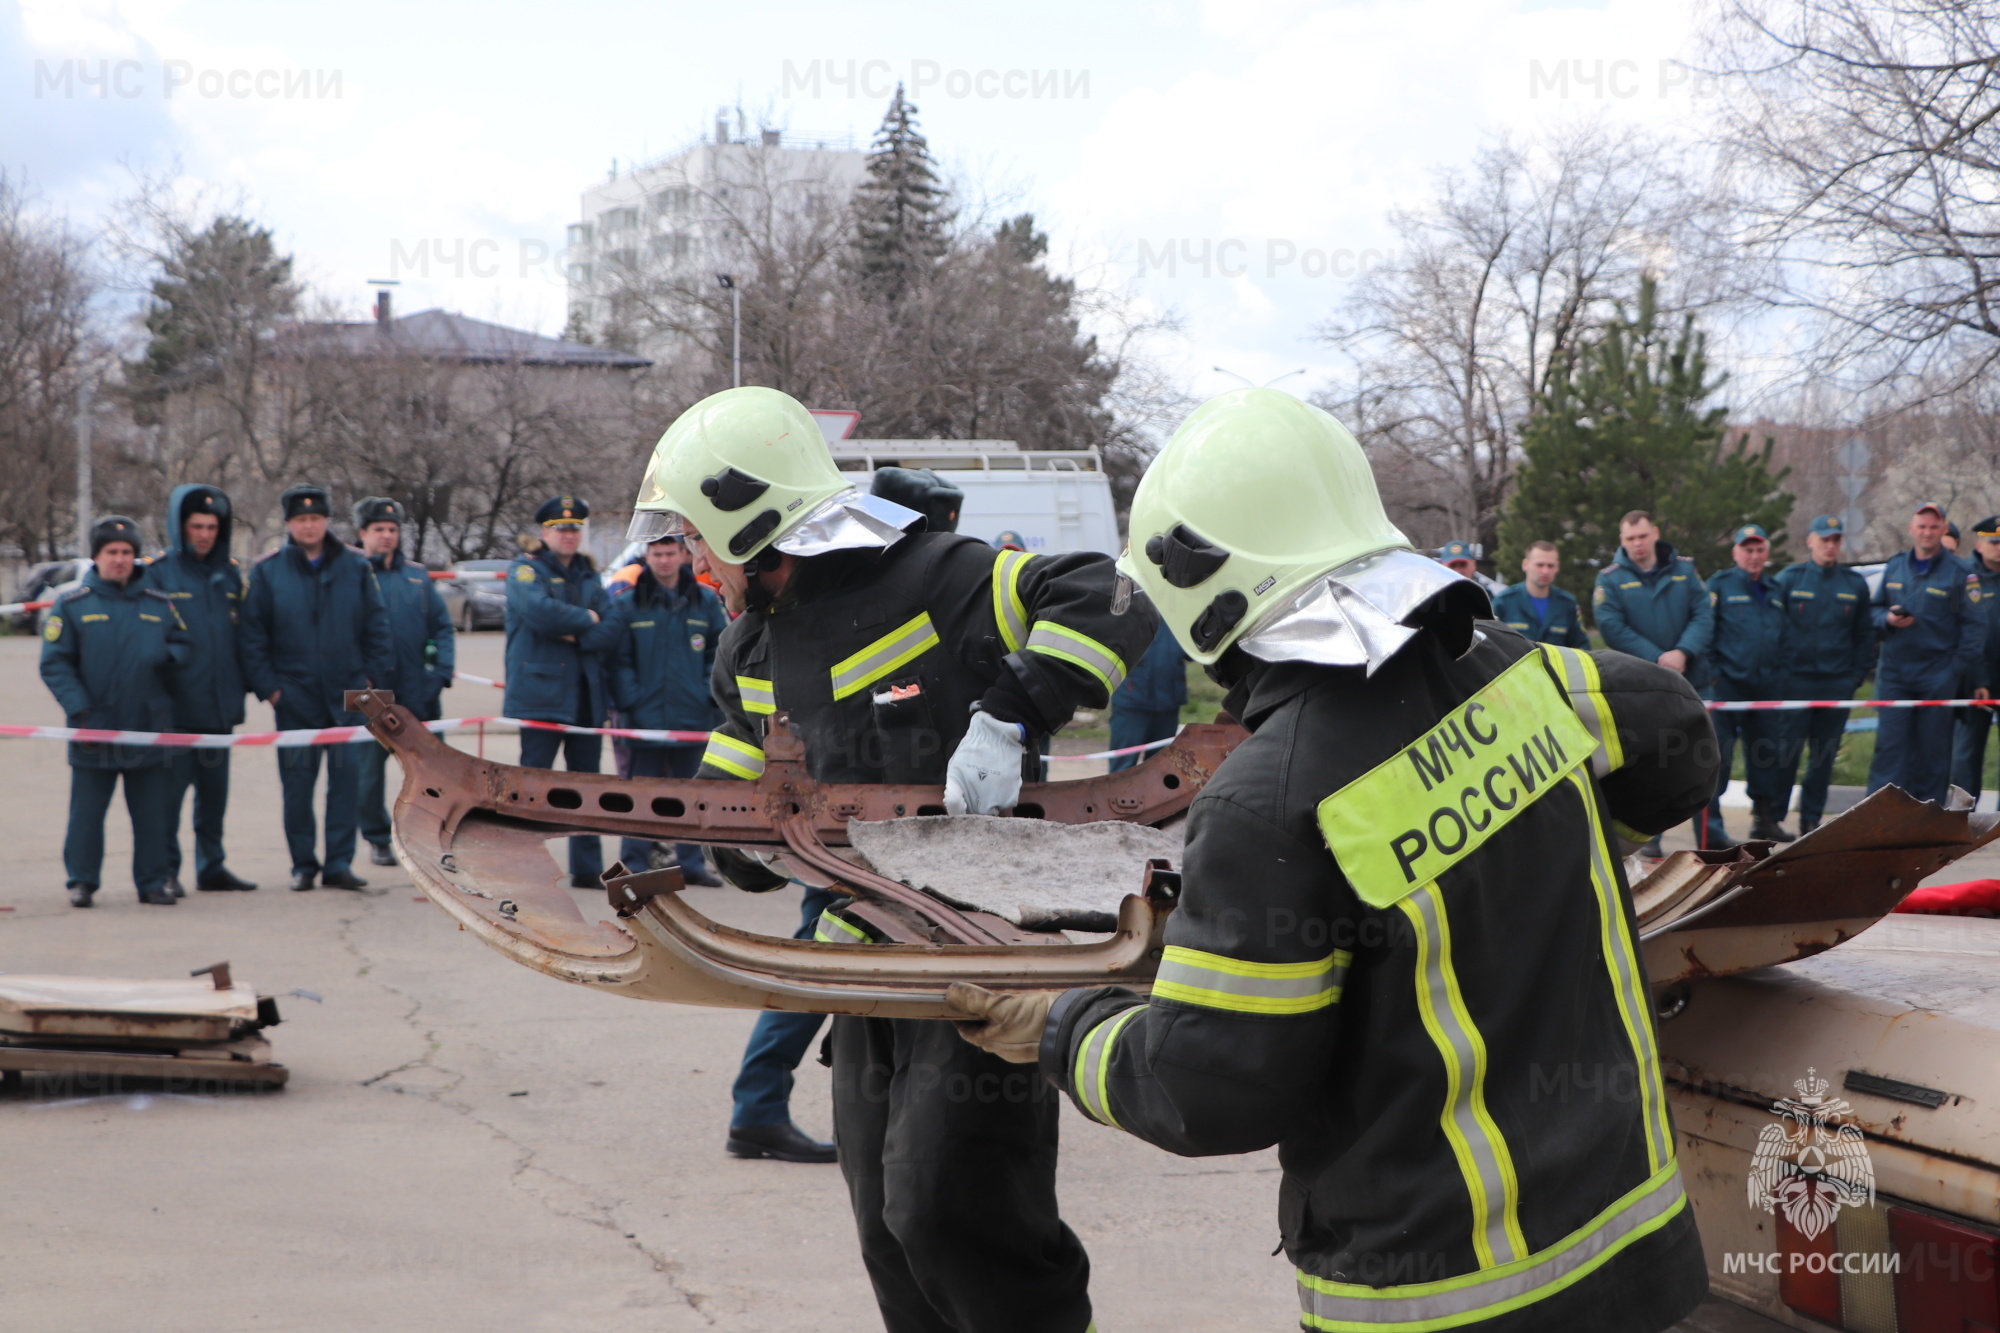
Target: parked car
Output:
[
  {"x": 43, "y": 582},
  {"x": 480, "y": 604}
]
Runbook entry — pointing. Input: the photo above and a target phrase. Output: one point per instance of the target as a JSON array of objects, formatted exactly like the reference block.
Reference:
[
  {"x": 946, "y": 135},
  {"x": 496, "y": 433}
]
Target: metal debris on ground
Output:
[{"x": 202, "y": 1030}]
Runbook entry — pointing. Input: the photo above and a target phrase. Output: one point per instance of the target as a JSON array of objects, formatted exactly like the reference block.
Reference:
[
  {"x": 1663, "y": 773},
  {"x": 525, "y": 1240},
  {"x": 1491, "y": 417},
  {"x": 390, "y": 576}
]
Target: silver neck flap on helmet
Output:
[
  {"x": 1353, "y": 615},
  {"x": 849, "y": 521}
]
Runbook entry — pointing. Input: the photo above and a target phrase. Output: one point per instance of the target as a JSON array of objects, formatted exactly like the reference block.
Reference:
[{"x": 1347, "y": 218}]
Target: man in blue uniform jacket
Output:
[
  {"x": 108, "y": 649},
  {"x": 1968, "y": 747},
  {"x": 424, "y": 647},
  {"x": 313, "y": 628},
  {"x": 207, "y": 586},
  {"x": 559, "y": 627},
  {"x": 1749, "y": 652},
  {"x": 1535, "y": 608},
  {"x": 1933, "y": 627},
  {"x": 669, "y": 627},
  {"x": 1830, "y": 648},
  {"x": 1651, "y": 604}
]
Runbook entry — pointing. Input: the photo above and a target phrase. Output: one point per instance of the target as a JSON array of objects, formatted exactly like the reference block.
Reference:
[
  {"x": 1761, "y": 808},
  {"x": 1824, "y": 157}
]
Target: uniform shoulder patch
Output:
[
  {"x": 524, "y": 573},
  {"x": 52, "y": 628},
  {"x": 1598, "y": 594}
]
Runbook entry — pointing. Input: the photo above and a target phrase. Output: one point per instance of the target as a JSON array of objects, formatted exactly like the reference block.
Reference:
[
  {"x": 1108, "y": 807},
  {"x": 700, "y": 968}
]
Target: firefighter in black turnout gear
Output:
[
  {"x": 1403, "y": 934},
  {"x": 901, "y": 655}
]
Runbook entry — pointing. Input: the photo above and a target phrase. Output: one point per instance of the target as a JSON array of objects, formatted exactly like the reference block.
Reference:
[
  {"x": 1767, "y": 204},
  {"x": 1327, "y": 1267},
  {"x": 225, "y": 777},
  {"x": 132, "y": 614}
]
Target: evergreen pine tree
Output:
[
  {"x": 900, "y": 210},
  {"x": 1622, "y": 426}
]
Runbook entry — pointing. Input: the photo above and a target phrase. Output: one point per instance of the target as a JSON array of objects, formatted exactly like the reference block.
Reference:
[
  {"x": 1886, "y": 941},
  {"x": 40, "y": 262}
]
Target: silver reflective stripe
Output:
[
  {"x": 830, "y": 929},
  {"x": 757, "y": 695},
  {"x": 1588, "y": 702},
  {"x": 1216, "y": 981},
  {"x": 1346, "y": 1308},
  {"x": 1628, "y": 984},
  {"x": 1093, "y": 1066},
  {"x": 1060, "y": 641},
  {"x": 1009, "y": 614},
  {"x": 898, "y": 648},
  {"x": 1475, "y": 1138},
  {"x": 736, "y": 758}
]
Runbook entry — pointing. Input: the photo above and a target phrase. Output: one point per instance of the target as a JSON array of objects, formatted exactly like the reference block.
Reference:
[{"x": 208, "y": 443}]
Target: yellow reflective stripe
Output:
[
  {"x": 1586, "y": 695},
  {"x": 737, "y": 758},
  {"x": 1009, "y": 612},
  {"x": 1414, "y": 816},
  {"x": 1065, "y": 644},
  {"x": 1475, "y": 1139},
  {"x": 1628, "y": 983},
  {"x": 1213, "y": 981},
  {"x": 1093, "y": 1065},
  {"x": 847, "y": 931},
  {"x": 758, "y": 696},
  {"x": 898, "y": 648},
  {"x": 1424, "y": 1307}
]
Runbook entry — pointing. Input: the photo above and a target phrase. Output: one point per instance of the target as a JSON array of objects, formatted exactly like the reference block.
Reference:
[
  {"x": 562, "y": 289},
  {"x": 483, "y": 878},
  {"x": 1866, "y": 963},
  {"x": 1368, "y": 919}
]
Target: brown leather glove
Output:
[{"x": 1009, "y": 1025}]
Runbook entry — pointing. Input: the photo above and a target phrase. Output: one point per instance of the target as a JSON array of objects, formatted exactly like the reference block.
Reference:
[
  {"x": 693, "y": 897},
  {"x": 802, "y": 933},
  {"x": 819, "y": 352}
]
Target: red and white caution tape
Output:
[
  {"x": 16, "y": 608},
  {"x": 479, "y": 680},
  {"x": 468, "y": 575},
  {"x": 223, "y": 741},
  {"x": 1749, "y": 705}
]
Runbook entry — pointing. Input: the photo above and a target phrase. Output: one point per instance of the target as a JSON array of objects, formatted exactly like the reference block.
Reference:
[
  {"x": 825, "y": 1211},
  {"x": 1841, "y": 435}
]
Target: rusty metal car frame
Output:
[{"x": 472, "y": 834}]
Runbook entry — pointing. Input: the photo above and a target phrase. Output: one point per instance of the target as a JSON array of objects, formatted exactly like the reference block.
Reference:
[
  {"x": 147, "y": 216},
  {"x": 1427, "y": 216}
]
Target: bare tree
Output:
[
  {"x": 1493, "y": 282},
  {"x": 1864, "y": 133},
  {"x": 49, "y": 349}
]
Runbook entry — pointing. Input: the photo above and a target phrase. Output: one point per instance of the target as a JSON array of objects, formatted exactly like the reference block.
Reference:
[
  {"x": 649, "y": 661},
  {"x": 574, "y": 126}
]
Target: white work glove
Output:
[
  {"x": 1007, "y": 1025},
  {"x": 984, "y": 775}
]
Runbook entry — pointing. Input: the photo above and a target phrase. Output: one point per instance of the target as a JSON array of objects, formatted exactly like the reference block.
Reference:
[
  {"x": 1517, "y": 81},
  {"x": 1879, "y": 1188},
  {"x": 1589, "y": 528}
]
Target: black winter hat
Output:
[
  {"x": 113, "y": 528},
  {"x": 377, "y": 509},
  {"x": 306, "y": 499}
]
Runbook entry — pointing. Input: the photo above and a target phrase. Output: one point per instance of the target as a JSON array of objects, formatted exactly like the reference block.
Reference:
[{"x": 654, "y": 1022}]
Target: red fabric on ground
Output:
[{"x": 1975, "y": 897}]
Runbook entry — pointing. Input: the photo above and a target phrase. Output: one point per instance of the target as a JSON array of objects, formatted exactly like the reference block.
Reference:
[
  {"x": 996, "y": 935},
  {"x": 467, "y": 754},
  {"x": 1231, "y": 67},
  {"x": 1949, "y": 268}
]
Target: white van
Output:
[{"x": 1050, "y": 500}]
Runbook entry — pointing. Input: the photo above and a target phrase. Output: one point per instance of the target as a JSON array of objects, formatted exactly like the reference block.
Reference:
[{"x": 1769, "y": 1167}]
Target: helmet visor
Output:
[{"x": 649, "y": 525}]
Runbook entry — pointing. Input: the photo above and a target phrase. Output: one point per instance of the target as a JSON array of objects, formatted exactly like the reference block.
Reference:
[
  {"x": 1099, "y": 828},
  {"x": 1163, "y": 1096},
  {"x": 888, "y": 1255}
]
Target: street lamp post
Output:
[{"x": 728, "y": 281}]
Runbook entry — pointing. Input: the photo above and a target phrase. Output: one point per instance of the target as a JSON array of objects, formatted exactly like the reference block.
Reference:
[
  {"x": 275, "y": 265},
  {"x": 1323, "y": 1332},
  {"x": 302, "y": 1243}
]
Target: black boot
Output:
[
  {"x": 79, "y": 894},
  {"x": 1807, "y": 825},
  {"x": 783, "y": 1143},
  {"x": 302, "y": 880},
  {"x": 342, "y": 879},
  {"x": 221, "y": 881},
  {"x": 158, "y": 896},
  {"x": 1763, "y": 829},
  {"x": 380, "y": 855},
  {"x": 174, "y": 887}
]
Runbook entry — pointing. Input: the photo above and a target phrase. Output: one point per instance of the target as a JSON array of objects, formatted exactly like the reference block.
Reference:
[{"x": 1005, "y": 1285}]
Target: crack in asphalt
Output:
[{"x": 596, "y": 1213}]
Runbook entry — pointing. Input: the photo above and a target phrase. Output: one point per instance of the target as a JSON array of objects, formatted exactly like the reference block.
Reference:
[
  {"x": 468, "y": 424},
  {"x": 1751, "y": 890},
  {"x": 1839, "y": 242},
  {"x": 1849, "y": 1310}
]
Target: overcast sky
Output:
[{"x": 1268, "y": 137}]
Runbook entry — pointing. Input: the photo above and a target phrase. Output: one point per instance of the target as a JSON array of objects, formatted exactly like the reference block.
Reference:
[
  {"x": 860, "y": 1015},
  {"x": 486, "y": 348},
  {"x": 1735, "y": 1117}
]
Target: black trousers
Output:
[
  {"x": 950, "y": 1160},
  {"x": 146, "y": 793},
  {"x": 582, "y": 754},
  {"x": 207, "y": 771}
]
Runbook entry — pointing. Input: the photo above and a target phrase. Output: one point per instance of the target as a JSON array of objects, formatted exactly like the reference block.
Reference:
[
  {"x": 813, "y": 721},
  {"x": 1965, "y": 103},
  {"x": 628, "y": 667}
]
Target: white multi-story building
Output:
[{"x": 677, "y": 214}]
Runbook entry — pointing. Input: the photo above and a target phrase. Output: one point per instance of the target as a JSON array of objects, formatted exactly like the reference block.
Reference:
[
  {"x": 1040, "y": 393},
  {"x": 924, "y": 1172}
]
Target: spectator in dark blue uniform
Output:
[
  {"x": 1651, "y": 603},
  {"x": 1933, "y": 628},
  {"x": 1968, "y": 747},
  {"x": 207, "y": 586},
  {"x": 1749, "y": 651},
  {"x": 669, "y": 627},
  {"x": 1535, "y": 607},
  {"x": 424, "y": 647},
  {"x": 313, "y": 628},
  {"x": 1147, "y": 707},
  {"x": 1830, "y": 649},
  {"x": 108, "y": 649},
  {"x": 1462, "y": 558},
  {"x": 558, "y": 631}
]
